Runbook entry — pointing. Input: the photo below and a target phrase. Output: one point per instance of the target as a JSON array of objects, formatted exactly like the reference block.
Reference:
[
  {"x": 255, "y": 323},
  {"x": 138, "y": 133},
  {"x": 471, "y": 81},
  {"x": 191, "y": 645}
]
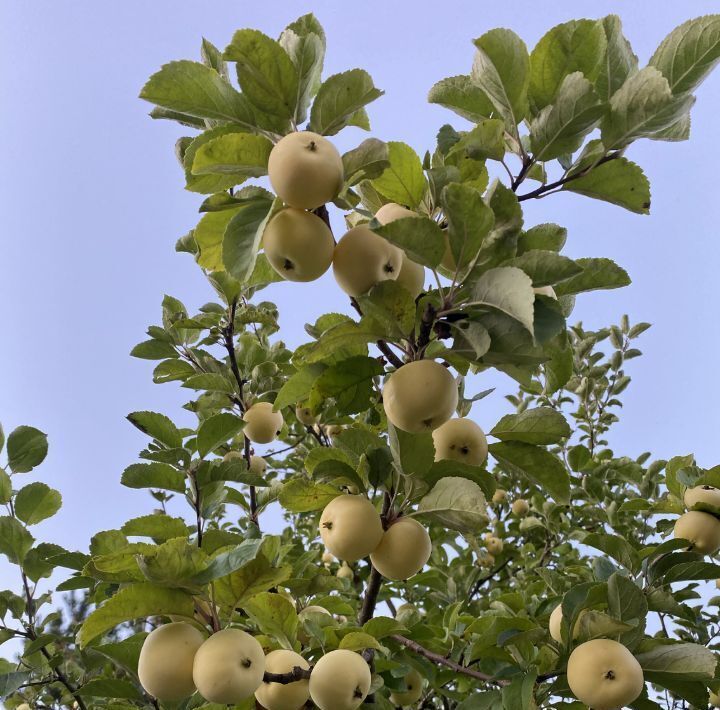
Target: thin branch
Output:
[
  {"x": 479, "y": 583},
  {"x": 297, "y": 673},
  {"x": 382, "y": 345}
]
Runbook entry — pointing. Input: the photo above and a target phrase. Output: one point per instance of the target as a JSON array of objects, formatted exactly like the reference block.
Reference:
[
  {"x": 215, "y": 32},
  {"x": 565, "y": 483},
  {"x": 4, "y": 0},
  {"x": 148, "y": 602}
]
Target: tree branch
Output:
[
  {"x": 382, "y": 345},
  {"x": 297, "y": 673}
]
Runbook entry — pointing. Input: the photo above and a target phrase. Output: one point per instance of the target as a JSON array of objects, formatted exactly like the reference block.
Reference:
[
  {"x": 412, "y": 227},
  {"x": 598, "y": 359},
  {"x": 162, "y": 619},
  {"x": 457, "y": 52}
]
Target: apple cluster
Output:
[{"x": 699, "y": 528}]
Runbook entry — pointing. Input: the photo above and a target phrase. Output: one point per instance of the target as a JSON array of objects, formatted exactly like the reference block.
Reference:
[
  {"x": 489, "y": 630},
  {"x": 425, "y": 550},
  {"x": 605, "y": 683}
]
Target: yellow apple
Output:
[
  {"x": 494, "y": 545},
  {"x": 305, "y": 415},
  {"x": 555, "y": 624},
  {"x": 460, "y": 440},
  {"x": 305, "y": 170},
  {"x": 328, "y": 558},
  {"x": 702, "y": 530},
  {"x": 499, "y": 496},
  {"x": 279, "y": 696},
  {"x": 520, "y": 507},
  {"x": 350, "y": 527},
  {"x": 420, "y": 396},
  {"x": 604, "y": 675},
  {"x": 262, "y": 424},
  {"x": 258, "y": 465},
  {"x": 340, "y": 680},
  {"x": 486, "y": 560},
  {"x": 702, "y": 494},
  {"x": 345, "y": 571},
  {"x": 298, "y": 245},
  {"x": 165, "y": 665},
  {"x": 413, "y": 692},
  {"x": 403, "y": 551}
]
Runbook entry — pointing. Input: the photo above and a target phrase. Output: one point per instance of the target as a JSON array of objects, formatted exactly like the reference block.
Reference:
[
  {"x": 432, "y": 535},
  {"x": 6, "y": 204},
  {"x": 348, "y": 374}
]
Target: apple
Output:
[
  {"x": 345, "y": 572},
  {"x": 499, "y": 496},
  {"x": 702, "y": 530},
  {"x": 279, "y": 696},
  {"x": 413, "y": 692},
  {"x": 555, "y": 624},
  {"x": 328, "y": 558},
  {"x": 486, "y": 560},
  {"x": 403, "y": 551},
  {"x": 363, "y": 259},
  {"x": 229, "y": 667},
  {"x": 305, "y": 170},
  {"x": 350, "y": 527},
  {"x": 420, "y": 396},
  {"x": 258, "y": 465},
  {"x": 520, "y": 507},
  {"x": 298, "y": 245},
  {"x": 494, "y": 545},
  {"x": 305, "y": 415},
  {"x": 25, "y": 706},
  {"x": 340, "y": 680},
  {"x": 546, "y": 291},
  {"x": 333, "y": 429},
  {"x": 262, "y": 424},
  {"x": 702, "y": 494},
  {"x": 604, "y": 675},
  {"x": 165, "y": 665},
  {"x": 460, "y": 440}
]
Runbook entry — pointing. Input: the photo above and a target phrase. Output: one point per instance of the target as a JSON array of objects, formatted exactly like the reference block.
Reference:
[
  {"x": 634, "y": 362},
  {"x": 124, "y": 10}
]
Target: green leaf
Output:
[
  {"x": 153, "y": 475},
  {"x": 257, "y": 576},
  {"x": 217, "y": 430},
  {"x": 689, "y": 53},
  {"x": 507, "y": 290},
  {"x": 175, "y": 563},
  {"x": 642, "y": 106},
  {"x": 157, "y": 526},
  {"x": 300, "y": 495},
  {"x": 135, "y": 601},
  {"x": 27, "y": 447},
  {"x": 36, "y": 502},
  {"x": 197, "y": 90},
  {"x": 10, "y": 682},
  {"x": 358, "y": 641},
  {"x": 598, "y": 273},
  {"x": 459, "y": 94},
  {"x": 413, "y": 453},
  {"x": 447, "y": 468},
  {"x": 561, "y": 127},
  {"x": 689, "y": 660},
  {"x": 209, "y": 234},
  {"x": 5, "y": 487},
  {"x": 349, "y": 382},
  {"x": 519, "y": 694},
  {"x": 2, "y": 437},
  {"x": 366, "y": 162},
  {"x": 274, "y": 615},
  {"x": 575, "y": 46},
  {"x": 338, "y": 100},
  {"x": 616, "y": 547},
  {"x": 153, "y": 350},
  {"x": 545, "y": 267},
  {"x": 209, "y": 183},
  {"x": 15, "y": 540},
  {"x": 265, "y": 72},
  {"x": 620, "y": 61},
  {"x": 486, "y": 140},
  {"x": 404, "y": 181},
  {"x": 345, "y": 336},
  {"x": 297, "y": 387},
  {"x": 240, "y": 155},
  {"x": 533, "y": 462},
  {"x": 502, "y": 70},
  {"x": 691, "y": 570},
  {"x": 226, "y": 563},
  {"x": 157, "y": 426},
  {"x": 470, "y": 220},
  {"x": 242, "y": 238},
  {"x": 542, "y": 425},
  {"x": 109, "y": 688},
  {"x": 626, "y": 601},
  {"x": 546, "y": 237},
  {"x": 419, "y": 237},
  {"x": 391, "y": 305},
  {"x": 455, "y": 503}
]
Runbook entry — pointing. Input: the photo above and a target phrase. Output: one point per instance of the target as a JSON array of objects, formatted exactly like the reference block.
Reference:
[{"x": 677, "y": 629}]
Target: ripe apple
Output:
[
  {"x": 230, "y": 455},
  {"x": 403, "y": 551},
  {"x": 229, "y": 667},
  {"x": 520, "y": 507},
  {"x": 298, "y": 245},
  {"x": 546, "y": 291},
  {"x": 279, "y": 696},
  {"x": 262, "y": 424},
  {"x": 499, "y": 496},
  {"x": 363, "y": 259},
  {"x": 413, "y": 692},
  {"x": 340, "y": 680},
  {"x": 25, "y": 706},
  {"x": 702, "y": 530},
  {"x": 494, "y": 545},
  {"x": 460, "y": 440},
  {"x": 305, "y": 170},
  {"x": 305, "y": 415},
  {"x": 165, "y": 665},
  {"x": 604, "y": 675},
  {"x": 345, "y": 571},
  {"x": 555, "y": 624},
  {"x": 702, "y": 494},
  {"x": 420, "y": 396},
  {"x": 350, "y": 527}
]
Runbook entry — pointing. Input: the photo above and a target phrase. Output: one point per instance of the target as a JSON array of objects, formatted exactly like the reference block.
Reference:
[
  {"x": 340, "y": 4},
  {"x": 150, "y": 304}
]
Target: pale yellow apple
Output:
[
  {"x": 413, "y": 692},
  {"x": 403, "y": 551},
  {"x": 287, "y": 696},
  {"x": 460, "y": 440},
  {"x": 702, "y": 530},
  {"x": 229, "y": 667},
  {"x": 411, "y": 276},
  {"x": 328, "y": 558},
  {"x": 546, "y": 291},
  {"x": 494, "y": 545},
  {"x": 345, "y": 571},
  {"x": 420, "y": 396},
  {"x": 298, "y": 245},
  {"x": 350, "y": 527},
  {"x": 555, "y": 624},
  {"x": 305, "y": 416},
  {"x": 333, "y": 429},
  {"x": 604, "y": 675},
  {"x": 340, "y": 680},
  {"x": 262, "y": 424},
  {"x": 702, "y": 494},
  {"x": 305, "y": 170},
  {"x": 499, "y": 496},
  {"x": 258, "y": 465},
  {"x": 520, "y": 507},
  {"x": 165, "y": 665}
]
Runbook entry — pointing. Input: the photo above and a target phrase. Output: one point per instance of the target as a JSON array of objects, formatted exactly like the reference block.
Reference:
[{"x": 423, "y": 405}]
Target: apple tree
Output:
[{"x": 424, "y": 562}]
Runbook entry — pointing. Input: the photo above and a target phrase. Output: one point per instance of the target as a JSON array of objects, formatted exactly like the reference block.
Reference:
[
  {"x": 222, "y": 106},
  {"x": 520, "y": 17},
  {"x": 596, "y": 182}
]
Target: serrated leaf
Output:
[
  {"x": 459, "y": 94},
  {"x": 470, "y": 220},
  {"x": 15, "y": 540},
  {"x": 358, "y": 641},
  {"x": 366, "y": 162},
  {"x": 456, "y": 503},
  {"x": 109, "y": 688},
  {"x": 242, "y": 236},
  {"x": 240, "y": 155},
  {"x": 217, "y": 430},
  {"x": 159, "y": 527},
  {"x": 297, "y": 387},
  {"x": 403, "y": 181},
  {"x": 300, "y": 495},
  {"x": 486, "y": 140},
  {"x": 619, "y": 62},
  {"x": 27, "y": 447},
  {"x": 545, "y": 237},
  {"x": 349, "y": 382},
  {"x": 274, "y": 615},
  {"x": 36, "y": 502},
  {"x": 175, "y": 563},
  {"x": 691, "y": 661},
  {"x": 153, "y": 475},
  {"x": 545, "y": 267},
  {"x": 598, "y": 273},
  {"x": 419, "y": 237},
  {"x": 541, "y": 425},
  {"x": 614, "y": 546},
  {"x": 507, "y": 290},
  {"x": 157, "y": 426}
]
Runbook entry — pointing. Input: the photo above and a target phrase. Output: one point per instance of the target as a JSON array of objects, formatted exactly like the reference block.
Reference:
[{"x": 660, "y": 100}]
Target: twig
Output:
[
  {"x": 382, "y": 345},
  {"x": 297, "y": 673},
  {"x": 479, "y": 583}
]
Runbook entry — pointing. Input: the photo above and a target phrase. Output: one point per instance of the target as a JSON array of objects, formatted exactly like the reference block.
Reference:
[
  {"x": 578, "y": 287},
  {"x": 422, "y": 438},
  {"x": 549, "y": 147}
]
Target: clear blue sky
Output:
[{"x": 93, "y": 202}]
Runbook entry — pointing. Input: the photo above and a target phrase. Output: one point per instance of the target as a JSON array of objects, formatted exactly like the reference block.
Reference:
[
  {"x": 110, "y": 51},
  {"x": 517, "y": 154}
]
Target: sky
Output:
[{"x": 93, "y": 202}]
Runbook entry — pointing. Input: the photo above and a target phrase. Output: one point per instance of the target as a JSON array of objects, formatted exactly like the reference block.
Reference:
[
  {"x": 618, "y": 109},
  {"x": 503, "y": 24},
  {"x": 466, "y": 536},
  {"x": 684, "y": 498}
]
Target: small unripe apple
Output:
[
  {"x": 229, "y": 667},
  {"x": 345, "y": 571},
  {"x": 486, "y": 560},
  {"x": 298, "y": 245},
  {"x": 233, "y": 455},
  {"x": 350, "y": 527},
  {"x": 702, "y": 530},
  {"x": 420, "y": 396},
  {"x": 165, "y": 665},
  {"x": 328, "y": 558},
  {"x": 520, "y": 507},
  {"x": 403, "y": 551},
  {"x": 702, "y": 494},
  {"x": 258, "y": 465},
  {"x": 604, "y": 675},
  {"x": 287, "y": 696},
  {"x": 555, "y": 624},
  {"x": 499, "y": 496},
  {"x": 305, "y": 170},
  {"x": 460, "y": 440},
  {"x": 305, "y": 415},
  {"x": 546, "y": 291},
  {"x": 408, "y": 614},
  {"x": 340, "y": 680},
  {"x": 363, "y": 259},
  {"x": 262, "y": 424},
  {"x": 333, "y": 429},
  {"x": 413, "y": 692},
  {"x": 494, "y": 545}
]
